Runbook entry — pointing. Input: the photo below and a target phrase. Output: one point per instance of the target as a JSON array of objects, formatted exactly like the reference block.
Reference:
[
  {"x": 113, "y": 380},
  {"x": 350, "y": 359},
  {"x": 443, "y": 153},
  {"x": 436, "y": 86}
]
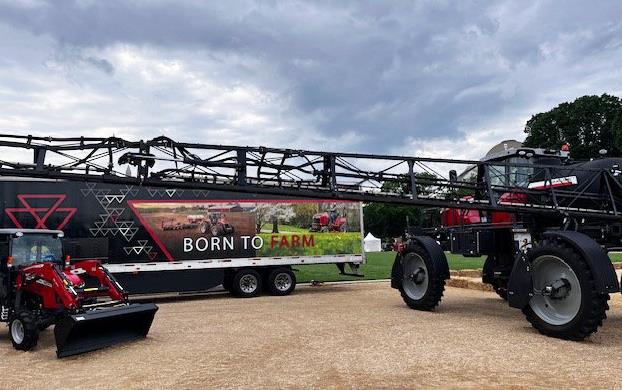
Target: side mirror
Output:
[{"x": 7, "y": 261}]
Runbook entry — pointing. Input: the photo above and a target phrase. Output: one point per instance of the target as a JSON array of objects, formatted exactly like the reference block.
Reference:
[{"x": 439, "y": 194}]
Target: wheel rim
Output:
[
  {"x": 282, "y": 281},
  {"x": 415, "y": 283},
  {"x": 248, "y": 284},
  {"x": 17, "y": 331},
  {"x": 561, "y": 305}
]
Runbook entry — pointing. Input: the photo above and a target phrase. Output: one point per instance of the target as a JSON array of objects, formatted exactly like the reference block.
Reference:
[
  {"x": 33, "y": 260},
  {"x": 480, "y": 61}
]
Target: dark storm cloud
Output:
[{"x": 387, "y": 71}]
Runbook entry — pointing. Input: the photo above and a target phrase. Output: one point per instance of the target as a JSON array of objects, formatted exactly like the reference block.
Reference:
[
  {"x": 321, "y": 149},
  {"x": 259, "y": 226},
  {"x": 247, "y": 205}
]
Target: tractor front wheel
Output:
[
  {"x": 565, "y": 302},
  {"x": 422, "y": 286},
  {"x": 24, "y": 331}
]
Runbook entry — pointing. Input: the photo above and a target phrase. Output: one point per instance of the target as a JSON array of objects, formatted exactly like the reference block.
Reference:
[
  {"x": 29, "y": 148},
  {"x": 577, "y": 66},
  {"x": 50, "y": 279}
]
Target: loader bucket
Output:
[{"x": 79, "y": 333}]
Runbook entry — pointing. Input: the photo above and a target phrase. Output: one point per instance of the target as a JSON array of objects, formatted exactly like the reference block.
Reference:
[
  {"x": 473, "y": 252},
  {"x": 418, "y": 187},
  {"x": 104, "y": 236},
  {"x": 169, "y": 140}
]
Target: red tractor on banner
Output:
[
  {"x": 330, "y": 221},
  {"x": 40, "y": 287}
]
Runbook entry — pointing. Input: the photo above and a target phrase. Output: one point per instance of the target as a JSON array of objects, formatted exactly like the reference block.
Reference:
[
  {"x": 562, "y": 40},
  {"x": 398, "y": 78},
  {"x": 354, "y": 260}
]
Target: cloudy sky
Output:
[{"x": 439, "y": 78}]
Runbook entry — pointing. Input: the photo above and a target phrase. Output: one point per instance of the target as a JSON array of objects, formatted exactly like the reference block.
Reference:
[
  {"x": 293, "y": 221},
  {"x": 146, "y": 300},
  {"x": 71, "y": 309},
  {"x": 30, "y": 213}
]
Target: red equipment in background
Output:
[{"x": 322, "y": 223}]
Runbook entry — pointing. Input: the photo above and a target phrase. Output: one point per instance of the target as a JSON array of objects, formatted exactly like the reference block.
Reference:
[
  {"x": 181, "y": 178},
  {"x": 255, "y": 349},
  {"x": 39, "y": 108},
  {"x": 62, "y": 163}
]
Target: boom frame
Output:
[{"x": 407, "y": 180}]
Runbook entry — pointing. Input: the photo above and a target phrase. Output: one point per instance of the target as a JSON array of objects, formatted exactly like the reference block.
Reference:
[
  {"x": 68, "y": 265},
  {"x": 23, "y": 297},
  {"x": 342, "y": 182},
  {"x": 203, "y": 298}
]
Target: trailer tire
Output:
[
  {"x": 422, "y": 286},
  {"x": 24, "y": 331},
  {"x": 578, "y": 313},
  {"x": 281, "y": 281},
  {"x": 246, "y": 283}
]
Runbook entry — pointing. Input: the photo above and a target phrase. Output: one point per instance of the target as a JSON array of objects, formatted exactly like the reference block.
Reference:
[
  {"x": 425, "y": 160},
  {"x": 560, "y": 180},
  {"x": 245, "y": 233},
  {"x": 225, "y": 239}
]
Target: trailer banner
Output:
[{"x": 197, "y": 229}]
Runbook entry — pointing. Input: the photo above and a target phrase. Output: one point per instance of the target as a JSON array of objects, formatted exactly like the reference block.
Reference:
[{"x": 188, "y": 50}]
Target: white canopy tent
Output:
[{"x": 371, "y": 243}]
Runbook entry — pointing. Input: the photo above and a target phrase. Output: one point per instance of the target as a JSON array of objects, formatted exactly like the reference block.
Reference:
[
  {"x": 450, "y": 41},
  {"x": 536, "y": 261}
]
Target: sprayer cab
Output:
[{"x": 39, "y": 287}]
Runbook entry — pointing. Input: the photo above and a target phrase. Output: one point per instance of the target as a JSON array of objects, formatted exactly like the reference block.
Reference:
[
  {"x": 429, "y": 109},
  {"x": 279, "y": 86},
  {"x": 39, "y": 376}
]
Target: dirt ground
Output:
[{"x": 334, "y": 336}]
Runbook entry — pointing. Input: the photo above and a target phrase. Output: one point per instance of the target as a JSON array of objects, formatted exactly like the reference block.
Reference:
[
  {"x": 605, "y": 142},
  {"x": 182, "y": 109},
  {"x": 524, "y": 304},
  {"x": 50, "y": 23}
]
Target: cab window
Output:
[{"x": 35, "y": 248}]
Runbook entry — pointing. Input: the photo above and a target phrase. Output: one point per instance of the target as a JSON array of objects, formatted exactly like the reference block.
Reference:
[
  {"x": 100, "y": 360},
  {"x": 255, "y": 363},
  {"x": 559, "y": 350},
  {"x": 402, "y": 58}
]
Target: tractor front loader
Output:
[{"x": 39, "y": 287}]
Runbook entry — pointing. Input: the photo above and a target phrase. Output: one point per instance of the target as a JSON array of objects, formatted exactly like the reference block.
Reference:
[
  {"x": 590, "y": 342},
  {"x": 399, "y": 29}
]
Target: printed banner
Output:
[{"x": 197, "y": 229}]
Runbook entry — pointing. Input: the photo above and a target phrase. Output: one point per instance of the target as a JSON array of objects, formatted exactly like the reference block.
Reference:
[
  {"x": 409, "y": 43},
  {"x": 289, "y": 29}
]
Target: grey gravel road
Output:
[{"x": 334, "y": 336}]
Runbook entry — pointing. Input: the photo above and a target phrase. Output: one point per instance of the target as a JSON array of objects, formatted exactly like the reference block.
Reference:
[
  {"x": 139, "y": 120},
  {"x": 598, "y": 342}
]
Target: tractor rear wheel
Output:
[
  {"x": 422, "y": 286},
  {"x": 565, "y": 303},
  {"x": 246, "y": 283},
  {"x": 24, "y": 331}
]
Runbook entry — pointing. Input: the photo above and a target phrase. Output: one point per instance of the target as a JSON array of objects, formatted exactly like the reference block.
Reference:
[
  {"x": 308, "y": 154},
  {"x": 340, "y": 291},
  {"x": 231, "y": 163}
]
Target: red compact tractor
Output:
[
  {"x": 39, "y": 287},
  {"x": 322, "y": 223}
]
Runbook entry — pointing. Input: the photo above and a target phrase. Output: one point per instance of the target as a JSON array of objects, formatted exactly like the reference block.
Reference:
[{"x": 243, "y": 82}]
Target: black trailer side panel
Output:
[
  {"x": 170, "y": 281},
  {"x": 124, "y": 225}
]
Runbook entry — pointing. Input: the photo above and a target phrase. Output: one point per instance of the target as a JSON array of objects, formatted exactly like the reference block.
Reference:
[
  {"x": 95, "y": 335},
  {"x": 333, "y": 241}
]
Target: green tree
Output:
[
  {"x": 588, "y": 124},
  {"x": 425, "y": 184},
  {"x": 303, "y": 214},
  {"x": 387, "y": 220}
]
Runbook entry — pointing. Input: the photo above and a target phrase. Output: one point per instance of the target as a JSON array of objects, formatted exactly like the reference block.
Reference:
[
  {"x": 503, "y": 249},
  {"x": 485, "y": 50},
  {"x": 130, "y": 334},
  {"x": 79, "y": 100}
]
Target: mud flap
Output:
[
  {"x": 79, "y": 333},
  {"x": 520, "y": 285},
  {"x": 397, "y": 272}
]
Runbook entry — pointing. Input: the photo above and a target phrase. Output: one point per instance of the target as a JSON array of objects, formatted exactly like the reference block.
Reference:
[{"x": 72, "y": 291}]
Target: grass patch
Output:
[
  {"x": 616, "y": 257},
  {"x": 379, "y": 264}
]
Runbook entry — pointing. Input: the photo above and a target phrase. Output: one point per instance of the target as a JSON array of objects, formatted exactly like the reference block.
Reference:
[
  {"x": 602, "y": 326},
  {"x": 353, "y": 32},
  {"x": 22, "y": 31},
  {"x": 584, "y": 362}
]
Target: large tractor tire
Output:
[
  {"x": 281, "y": 281},
  {"x": 24, "y": 331},
  {"x": 565, "y": 303},
  {"x": 422, "y": 286},
  {"x": 246, "y": 283}
]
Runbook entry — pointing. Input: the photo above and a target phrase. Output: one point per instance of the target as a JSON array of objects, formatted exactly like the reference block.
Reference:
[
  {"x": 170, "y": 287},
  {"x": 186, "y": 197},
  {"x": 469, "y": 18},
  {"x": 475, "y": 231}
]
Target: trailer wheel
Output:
[
  {"x": 24, "y": 331},
  {"x": 281, "y": 281},
  {"x": 246, "y": 283},
  {"x": 565, "y": 303},
  {"x": 422, "y": 287}
]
